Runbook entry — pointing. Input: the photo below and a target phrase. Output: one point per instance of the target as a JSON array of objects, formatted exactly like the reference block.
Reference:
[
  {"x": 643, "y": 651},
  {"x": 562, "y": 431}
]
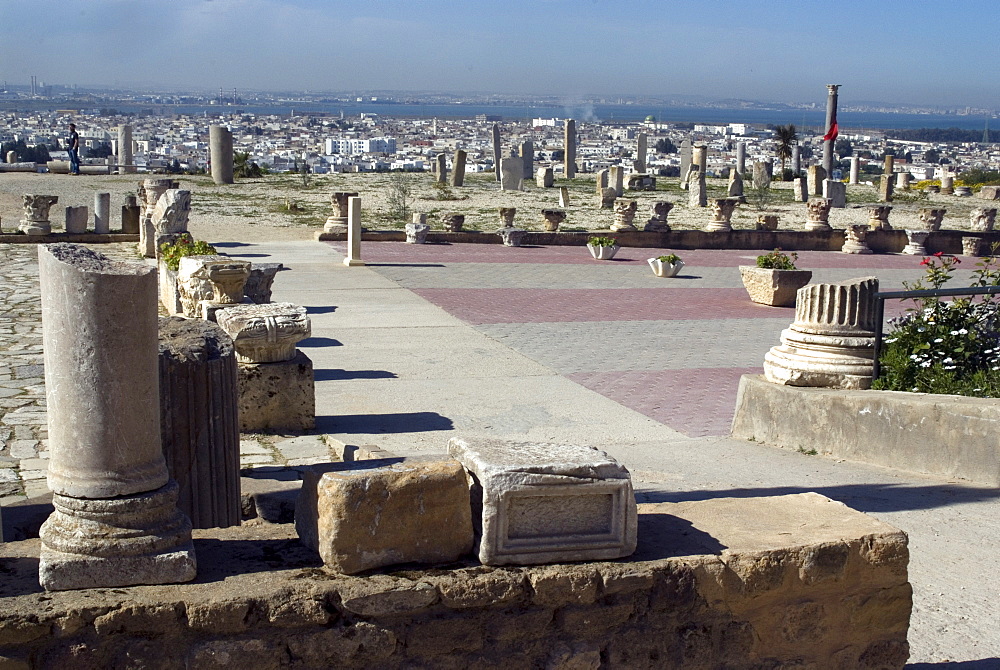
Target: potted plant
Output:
[
  {"x": 169, "y": 260},
  {"x": 666, "y": 266},
  {"x": 775, "y": 279},
  {"x": 603, "y": 248}
]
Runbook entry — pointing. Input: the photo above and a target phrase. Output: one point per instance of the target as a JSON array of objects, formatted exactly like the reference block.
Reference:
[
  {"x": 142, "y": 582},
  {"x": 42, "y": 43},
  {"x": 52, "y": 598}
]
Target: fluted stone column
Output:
[
  {"x": 353, "y": 257},
  {"x": 116, "y": 521},
  {"x": 878, "y": 217},
  {"x": 36, "y": 214},
  {"x": 552, "y": 218},
  {"x": 818, "y": 214},
  {"x": 569, "y": 154},
  {"x": 624, "y": 214},
  {"x": 931, "y": 217},
  {"x": 199, "y": 419},
  {"x": 915, "y": 241},
  {"x": 658, "y": 217},
  {"x": 220, "y": 141},
  {"x": 832, "y": 341},
  {"x": 102, "y": 213},
  {"x": 854, "y": 239},
  {"x": 337, "y": 221},
  {"x": 458, "y": 168},
  {"x": 150, "y": 191},
  {"x": 722, "y": 214},
  {"x": 125, "y": 161}
]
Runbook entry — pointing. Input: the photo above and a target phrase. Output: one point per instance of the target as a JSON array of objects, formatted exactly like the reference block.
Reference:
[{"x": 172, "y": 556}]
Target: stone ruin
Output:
[
  {"x": 507, "y": 215},
  {"x": 624, "y": 214},
  {"x": 854, "y": 239},
  {"x": 972, "y": 246},
  {"x": 512, "y": 237},
  {"x": 878, "y": 217},
  {"x": 149, "y": 193},
  {"x": 337, "y": 221},
  {"x": 915, "y": 241},
  {"x": 982, "y": 219},
  {"x": 552, "y": 219},
  {"x": 931, "y": 217},
  {"x": 416, "y": 233},
  {"x": 36, "y": 214},
  {"x": 722, "y": 214},
  {"x": 658, "y": 217},
  {"x": 767, "y": 222},
  {"x": 206, "y": 284},
  {"x": 818, "y": 214},
  {"x": 453, "y": 222}
]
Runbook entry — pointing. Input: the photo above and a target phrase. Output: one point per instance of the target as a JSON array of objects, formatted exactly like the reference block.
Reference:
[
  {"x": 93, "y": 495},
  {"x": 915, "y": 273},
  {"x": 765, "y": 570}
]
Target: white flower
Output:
[{"x": 938, "y": 341}]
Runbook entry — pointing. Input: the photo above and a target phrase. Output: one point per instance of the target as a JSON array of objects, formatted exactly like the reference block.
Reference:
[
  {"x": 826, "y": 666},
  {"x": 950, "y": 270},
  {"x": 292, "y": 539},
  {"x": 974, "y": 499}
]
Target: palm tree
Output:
[{"x": 786, "y": 138}]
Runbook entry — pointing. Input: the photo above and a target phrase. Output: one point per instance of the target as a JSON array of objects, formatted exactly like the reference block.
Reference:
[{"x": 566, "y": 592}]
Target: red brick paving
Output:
[{"x": 514, "y": 305}]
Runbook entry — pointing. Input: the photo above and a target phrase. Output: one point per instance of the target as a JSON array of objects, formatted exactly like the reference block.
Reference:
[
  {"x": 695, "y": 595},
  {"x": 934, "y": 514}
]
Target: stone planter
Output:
[
  {"x": 776, "y": 288},
  {"x": 661, "y": 269},
  {"x": 603, "y": 253}
]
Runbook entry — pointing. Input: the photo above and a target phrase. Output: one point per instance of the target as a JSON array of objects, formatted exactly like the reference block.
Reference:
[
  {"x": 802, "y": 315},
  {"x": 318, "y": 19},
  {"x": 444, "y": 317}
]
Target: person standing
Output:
[{"x": 74, "y": 150}]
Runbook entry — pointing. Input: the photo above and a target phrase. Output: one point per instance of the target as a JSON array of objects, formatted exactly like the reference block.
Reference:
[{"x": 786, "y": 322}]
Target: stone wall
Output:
[
  {"x": 941, "y": 435},
  {"x": 790, "y": 581}
]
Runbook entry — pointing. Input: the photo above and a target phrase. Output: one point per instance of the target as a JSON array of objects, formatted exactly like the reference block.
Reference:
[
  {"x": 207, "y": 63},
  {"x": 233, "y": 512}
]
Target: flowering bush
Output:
[
  {"x": 185, "y": 245},
  {"x": 778, "y": 260},
  {"x": 946, "y": 347}
]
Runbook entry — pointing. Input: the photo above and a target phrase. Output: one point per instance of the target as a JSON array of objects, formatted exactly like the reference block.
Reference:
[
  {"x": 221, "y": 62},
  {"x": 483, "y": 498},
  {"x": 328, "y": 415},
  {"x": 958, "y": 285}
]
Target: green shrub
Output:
[
  {"x": 185, "y": 245},
  {"x": 778, "y": 260},
  {"x": 602, "y": 242},
  {"x": 670, "y": 258}
]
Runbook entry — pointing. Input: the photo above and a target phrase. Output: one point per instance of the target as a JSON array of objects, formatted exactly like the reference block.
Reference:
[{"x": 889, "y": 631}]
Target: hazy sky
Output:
[{"x": 935, "y": 53}]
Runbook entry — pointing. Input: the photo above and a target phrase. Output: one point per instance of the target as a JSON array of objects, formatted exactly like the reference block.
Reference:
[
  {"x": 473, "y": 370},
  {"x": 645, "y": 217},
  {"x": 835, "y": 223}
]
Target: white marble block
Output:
[{"x": 539, "y": 503}]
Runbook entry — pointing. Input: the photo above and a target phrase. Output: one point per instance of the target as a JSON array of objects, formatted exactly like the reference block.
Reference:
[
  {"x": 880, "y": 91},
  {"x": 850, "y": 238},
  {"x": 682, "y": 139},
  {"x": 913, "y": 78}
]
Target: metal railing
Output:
[{"x": 881, "y": 297}]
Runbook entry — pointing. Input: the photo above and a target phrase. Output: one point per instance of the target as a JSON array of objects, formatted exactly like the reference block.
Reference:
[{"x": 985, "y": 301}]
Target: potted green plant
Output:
[
  {"x": 666, "y": 266},
  {"x": 775, "y": 279},
  {"x": 603, "y": 248},
  {"x": 168, "y": 262}
]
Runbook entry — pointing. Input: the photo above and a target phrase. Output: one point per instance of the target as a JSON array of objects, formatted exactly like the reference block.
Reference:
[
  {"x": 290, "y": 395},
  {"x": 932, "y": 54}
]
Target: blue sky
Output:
[{"x": 934, "y": 53}]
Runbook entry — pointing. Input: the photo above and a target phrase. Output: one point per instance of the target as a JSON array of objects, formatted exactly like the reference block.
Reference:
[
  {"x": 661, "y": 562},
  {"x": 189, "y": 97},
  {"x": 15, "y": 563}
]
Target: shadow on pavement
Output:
[
  {"x": 404, "y": 422},
  {"x": 666, "y": 536},
  {"x": 338, "y": 375},
  {"x": 405, "y": 265},
  {"x": 321, "y": 309},
  {"x": 862, "y": 497},
  {"x": 320, "y": 342}
]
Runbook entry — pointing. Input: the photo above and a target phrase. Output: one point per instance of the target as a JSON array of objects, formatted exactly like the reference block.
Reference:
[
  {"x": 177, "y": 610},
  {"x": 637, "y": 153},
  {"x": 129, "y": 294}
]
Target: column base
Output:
[
  {"x": 353, "y": 262},
  {"x": 828, "y": 361}
]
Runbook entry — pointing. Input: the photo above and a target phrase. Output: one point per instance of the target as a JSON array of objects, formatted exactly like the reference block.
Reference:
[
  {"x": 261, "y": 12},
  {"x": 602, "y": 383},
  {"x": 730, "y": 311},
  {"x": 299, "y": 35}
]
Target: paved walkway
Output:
[{"x": 545, "y": 343}]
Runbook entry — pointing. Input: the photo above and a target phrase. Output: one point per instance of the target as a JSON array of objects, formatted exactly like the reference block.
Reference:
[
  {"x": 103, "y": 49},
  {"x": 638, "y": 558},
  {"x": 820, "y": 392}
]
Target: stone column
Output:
[
  {"x": 624, "y": 214},
  {"x": 947, "y": 184},
  {"x": 125, "y": 161},
  {"x": 931, "y": 217},
  {"x": 544, "y": 178},
  {"x": 800, "y": 190},
  {"x": 353, "y": 232},
  {"x": 658, "y": 219},
  {"x": 199, "y": 422},
  {"x": 564, "y": 196},
  {"x": 831, "y": 127},
  {"x": 507, "y": 216},
  {"x": 796, "y": 161},
  {"x": 741, "y": 157},
  {"x": 116, "y": 521},
  {"x": 836, "y": 191},
  {"x": 601, "y": 181},
  {"x": 889, "y": 164},
  {"x": 458, "y": 168},
  {"x": 441, "y": 168},
  {"x": 131, "y": 212},
  {"x": 699, "y": 157},
  {"x": 11, "y": 156},
  {"x": 616, "y": 180},
  {"x": 832, "y": 341},
  {"x": 855, "y": 169},
  {"x": 102, "y": 213},
  {"x": 854, "y": 239},
  {"x": 495, "y": 132},
  {"x": 337, "y": 221},
  {"x": 735, "y": 189},
  {"x": 814, "y": 179},
  {"x": 569, "y": 156},
  {"x": 220, "y": 141},
  {"x": 915, "y": 241},
  {"x": 150, "y": 191},
  {"x": 903, "y": 180},
  {"x": 885, "y": 187},
  {"x": 818, "y": 214},
  {"x": 878, "y": 217},
  {"x": 36, "y": 214},
  {"x": 527, "y": 154},
  {"x": 76, "y": 220},
  {"x": 722, "y": 214},
  {"x": 982, "y": 219},
  {"x": 511, "y": 174},
  {"x": 697, "y": 189},
  {"x": 552, "y": 218},
  {"x": 640, "y": 152}
]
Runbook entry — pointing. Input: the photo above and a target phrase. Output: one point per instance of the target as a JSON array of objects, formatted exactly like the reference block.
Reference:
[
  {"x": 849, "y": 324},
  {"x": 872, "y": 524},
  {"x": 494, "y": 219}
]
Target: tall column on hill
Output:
[
  {"x": 220, "y": 141},
  {"x": 569, "y": 157},
  {"x": 831, "y": 127},
  {"x": 496, "y": 150}
]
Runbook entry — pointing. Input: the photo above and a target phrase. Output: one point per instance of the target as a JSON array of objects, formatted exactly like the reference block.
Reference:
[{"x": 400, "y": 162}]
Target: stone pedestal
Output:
[
  {"x": 608, "y": 197},
  {"x": 368, "y": 514},
  {"x": 832, "y": 341},
  {"x": 624, "y": 214},
  {"x": 552, "y": 218},
  {"x": 36, "y": 214},
  {"x": 199, "y": 422},
  {"x": 416, "y": 233},
  {"x": 507, "y": 215},
  {"x": 878, "y": 217},
  {"x": 982, "y": 219},
  {"x": 931, "y": 218},
  {"x": 131, "y": 213},
  {"x": 277, "y": 397},
  {"x": 915, "y": 240},
  {"x": 885, "y": 187},
  {"x": 511, "y": 174},
  {"x": 800, "y": 191},
  {"x": 257, "y": 288},
  {"x": 102, "y": 213},
  {"x": 616, "y": 179},
  {"x": 569, "y": 146},
  {"x": 658, "y": 219},
  {"x": 265, "y": 333},
  {"x": 963, "y": 191},
  {"x": 544, "y": 178},
  {"x": 220, "y": 141},
  {"x": 547, "y": 503},
  {"x": 527, "y": 154},
  {"x": 76, "y": 220},
  {"x": 932, "y": 188},
  {"x": 722, "y": 214},
  {"x": 814, "y": 179},
  {"x": 854, "y": 242},
  {"x": 947, "y": 185},
  {"x": 640, "y": 181},
  {"x": 353, "y": 257},
  {"x": 452, "y": 222},
  {"x": 972, "y": 246},
  {"x": 903, "y": 180},
  {"x": 767, "y": 222},
  {"x": 697, "y": 190},
  {"x": 458, "y": 168},
  {"x": 116, "y": 522},
  {"x": 818, "y": 214},
  {"x": 337, "y": 221},
  {"x": 512, "y": 237},
  {"x": 216, "y": 279},
  {"x": 836, "y": 192}
]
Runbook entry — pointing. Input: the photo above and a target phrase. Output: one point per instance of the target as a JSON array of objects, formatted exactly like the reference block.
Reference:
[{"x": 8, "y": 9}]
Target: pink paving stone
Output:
[
  {"x": 512, "y": 305},
  {"x": 697, "y": 402}
]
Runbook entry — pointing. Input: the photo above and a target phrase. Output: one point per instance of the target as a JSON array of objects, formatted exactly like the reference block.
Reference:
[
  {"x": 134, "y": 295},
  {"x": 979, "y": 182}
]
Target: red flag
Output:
[{"x": 831, "y": 133}]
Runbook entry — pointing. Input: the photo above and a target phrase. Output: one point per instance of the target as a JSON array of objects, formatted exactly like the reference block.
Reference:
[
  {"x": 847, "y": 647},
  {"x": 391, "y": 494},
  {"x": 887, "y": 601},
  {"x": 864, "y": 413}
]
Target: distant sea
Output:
[{"x": 608, "y": 113}]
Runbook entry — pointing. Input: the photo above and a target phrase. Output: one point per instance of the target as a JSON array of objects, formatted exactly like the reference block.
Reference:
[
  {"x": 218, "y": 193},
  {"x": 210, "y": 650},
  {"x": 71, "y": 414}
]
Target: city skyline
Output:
[{"x": 564, "y": 48}]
